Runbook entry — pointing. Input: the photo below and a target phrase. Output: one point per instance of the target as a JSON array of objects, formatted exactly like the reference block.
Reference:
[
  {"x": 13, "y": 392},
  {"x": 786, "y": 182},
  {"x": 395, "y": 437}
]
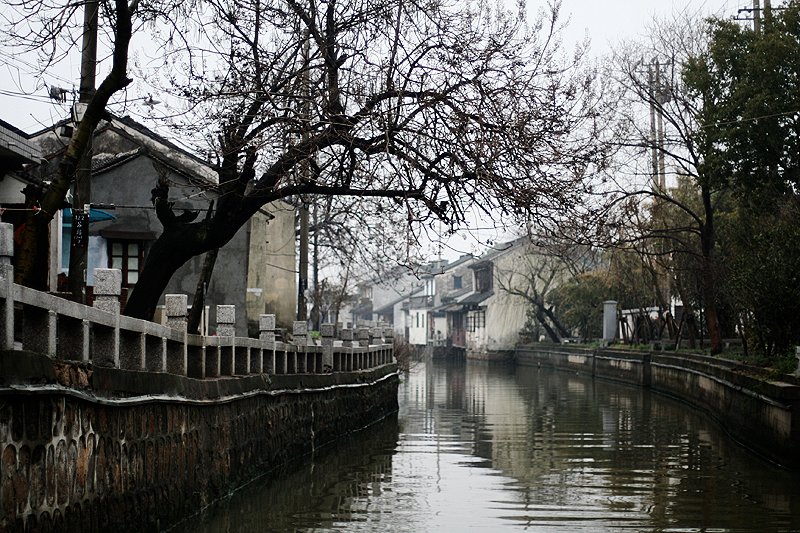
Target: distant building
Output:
[
  {"x": 494, "y": 316},
  {"x": 436, "y": 315}
]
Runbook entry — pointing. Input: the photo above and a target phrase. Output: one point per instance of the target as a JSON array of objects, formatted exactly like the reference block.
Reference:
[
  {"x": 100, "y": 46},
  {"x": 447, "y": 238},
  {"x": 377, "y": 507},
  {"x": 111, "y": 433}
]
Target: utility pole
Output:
[
  {"x": 317, "y": 318},
  {"x": 302, "y": 285},
  {"x": 663, "y": 98},
  {"x": 757, "y": 16},
  {"x": 81, "y": 194},
  {"x": 658, "y": 96},
  {"x": 767, "y": 13},
  {"x": 653, "y": 132},
  {"x": 302, "y": 312}
]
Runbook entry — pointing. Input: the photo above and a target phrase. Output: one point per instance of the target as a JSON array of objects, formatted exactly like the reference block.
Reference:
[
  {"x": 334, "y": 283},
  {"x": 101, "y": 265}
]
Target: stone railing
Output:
[{"x": 40, "y": 322}]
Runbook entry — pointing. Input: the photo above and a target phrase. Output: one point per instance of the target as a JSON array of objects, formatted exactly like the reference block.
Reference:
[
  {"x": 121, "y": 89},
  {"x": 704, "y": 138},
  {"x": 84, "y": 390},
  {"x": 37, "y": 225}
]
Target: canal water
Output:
[{"x": 478, "y": 447}]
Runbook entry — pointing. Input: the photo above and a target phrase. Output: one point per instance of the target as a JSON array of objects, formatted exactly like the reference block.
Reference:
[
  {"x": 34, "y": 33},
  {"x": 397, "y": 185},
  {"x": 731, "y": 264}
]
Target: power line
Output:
[
  {"x": 24, "y": 96},
  {"x": 36, "y": 71},
  {"x": 748, "y": 119}
]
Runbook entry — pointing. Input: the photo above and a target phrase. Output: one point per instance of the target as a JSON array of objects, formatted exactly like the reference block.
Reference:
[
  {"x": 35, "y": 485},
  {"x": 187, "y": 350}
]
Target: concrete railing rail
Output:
[{"x": 39, "y": 322}]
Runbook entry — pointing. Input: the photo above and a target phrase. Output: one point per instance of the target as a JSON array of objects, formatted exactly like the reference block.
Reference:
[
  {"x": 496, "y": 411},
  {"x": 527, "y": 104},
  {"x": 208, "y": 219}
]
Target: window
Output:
[
  {"x": 483, "y": 279},
  {"x": 127, "y": 256},
  {"x": 480, "y": 319},
  {"x": 476, "y": 320},
  {"x": 417, "y": 317},
  {"x": 430, "y": 287},
  {"x": 456, "y": 282}
]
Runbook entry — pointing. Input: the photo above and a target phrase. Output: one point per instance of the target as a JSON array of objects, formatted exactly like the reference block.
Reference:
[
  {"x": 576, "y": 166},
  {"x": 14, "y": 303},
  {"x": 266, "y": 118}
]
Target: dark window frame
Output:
[{"x": 126, "y": 257}]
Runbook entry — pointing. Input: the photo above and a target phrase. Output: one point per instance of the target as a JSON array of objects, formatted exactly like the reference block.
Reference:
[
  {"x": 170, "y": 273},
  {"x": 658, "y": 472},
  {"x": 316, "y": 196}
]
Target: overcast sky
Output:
[
  {"x": 24, "y": 103},
  {"x": 608, "y": 21}
]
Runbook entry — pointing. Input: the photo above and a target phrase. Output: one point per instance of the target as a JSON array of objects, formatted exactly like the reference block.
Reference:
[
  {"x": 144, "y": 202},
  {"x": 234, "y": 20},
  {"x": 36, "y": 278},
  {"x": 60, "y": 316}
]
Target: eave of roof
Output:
[{"x": 477, "y": 298}]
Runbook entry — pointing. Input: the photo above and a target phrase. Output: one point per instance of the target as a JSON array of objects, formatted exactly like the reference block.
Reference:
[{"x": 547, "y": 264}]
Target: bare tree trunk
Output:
[
  {"x": 199, "y": 300},
  {"x": 36, "y": 225},
  {"x": 707, "y": 274},
  {"x": 168, "y": 253}
]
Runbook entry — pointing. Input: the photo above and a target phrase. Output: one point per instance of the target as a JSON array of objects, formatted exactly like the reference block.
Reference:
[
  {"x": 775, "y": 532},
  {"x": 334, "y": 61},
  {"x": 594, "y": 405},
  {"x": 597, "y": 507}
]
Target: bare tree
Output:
[
  {"x": 658, "y": 128},
  {"x": 434, "y": 108},
  {"x": 45, "y": 26},
  {"x": 540, "y": 269}
]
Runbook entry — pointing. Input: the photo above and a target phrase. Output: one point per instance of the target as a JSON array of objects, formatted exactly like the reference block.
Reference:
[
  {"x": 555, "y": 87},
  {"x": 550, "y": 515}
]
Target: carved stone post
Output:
[
  {"x": 609, "y": 321},
  {"x": 107, "y": 288},
  {"x": 266, "y": 328},
  {"x": 175, "y": 308},
  {"x": 226, "y": 320},
  {"x": 300, "y": 332},
  {"x": 327, "y": 331},
  {"x": 363, "y": 336},
  {"x": 347, "y": 337}
]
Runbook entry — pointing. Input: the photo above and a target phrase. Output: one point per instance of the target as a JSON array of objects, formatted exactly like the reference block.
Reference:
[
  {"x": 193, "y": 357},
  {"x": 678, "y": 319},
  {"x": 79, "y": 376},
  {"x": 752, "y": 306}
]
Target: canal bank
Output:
[
  {"x": 761, "y": 413},
  {"x": 76, "y": 458},
  {"x": 109, "y": 423}
]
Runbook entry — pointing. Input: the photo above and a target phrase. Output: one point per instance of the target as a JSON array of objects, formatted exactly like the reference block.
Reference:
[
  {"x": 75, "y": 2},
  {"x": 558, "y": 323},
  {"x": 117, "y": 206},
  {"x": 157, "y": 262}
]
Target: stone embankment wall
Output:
[
  {"x": 111, "y": 423},
  {"x": 73, "y": 461},
  {"x": 761, "y": 413}
]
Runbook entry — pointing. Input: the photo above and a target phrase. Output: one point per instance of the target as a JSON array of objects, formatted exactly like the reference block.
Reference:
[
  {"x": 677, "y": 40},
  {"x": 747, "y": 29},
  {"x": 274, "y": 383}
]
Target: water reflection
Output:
[{"x": 479, "y": 447}]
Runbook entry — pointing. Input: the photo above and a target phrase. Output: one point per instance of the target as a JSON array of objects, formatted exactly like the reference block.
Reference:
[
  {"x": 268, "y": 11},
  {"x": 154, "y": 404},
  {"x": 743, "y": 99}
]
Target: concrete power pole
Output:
[
  {"x": 757, "y": 16},
  {"x": 653, "y": 132},
  {"x": 658, "y": 97},
  {"x": 81, "y": 193},
  {"x": 302, "y": 285},
  {"x": 767, "y": 13},
  {"x": 663, "y": 98}
]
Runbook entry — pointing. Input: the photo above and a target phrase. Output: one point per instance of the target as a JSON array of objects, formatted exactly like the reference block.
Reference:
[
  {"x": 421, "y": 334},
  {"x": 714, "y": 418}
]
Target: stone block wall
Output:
[
  {"x": 757, "y": 411},
  {"x": 70, "y": 463}
]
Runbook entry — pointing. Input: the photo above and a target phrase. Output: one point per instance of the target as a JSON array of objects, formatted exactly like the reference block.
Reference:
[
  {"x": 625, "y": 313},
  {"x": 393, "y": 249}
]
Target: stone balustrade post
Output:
[
  {"x": 610, "y": 323},
  {"x": 226, "y": 320},
  {"x": 175, "y": 309},
  {"x": 266, "y": 328},
  {"x": 300, "y": 332},
  {"x": 7, "y": 276},
  {"x": 107, "y": 289},
  {"x": 346, "y": 335},
  {"x": 797, "y": 356},
  {"x": 327, "y": 332},
  {"x": 363, "y": 336},
  {"x": 361, "y": 358},
  {"x": 388, "y": 338}
]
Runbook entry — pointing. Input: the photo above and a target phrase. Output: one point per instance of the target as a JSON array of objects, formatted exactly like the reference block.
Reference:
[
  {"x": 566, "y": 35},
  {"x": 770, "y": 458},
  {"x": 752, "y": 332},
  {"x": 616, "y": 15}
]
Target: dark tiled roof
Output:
[{"x": 477, "y": 298}]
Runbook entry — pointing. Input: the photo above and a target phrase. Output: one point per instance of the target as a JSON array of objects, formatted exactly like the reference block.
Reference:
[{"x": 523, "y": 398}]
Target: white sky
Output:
[
  {"x": 605, "y": 22},
  {"x": 608, "y": 21},
  {"x": 24, "y": 102}
]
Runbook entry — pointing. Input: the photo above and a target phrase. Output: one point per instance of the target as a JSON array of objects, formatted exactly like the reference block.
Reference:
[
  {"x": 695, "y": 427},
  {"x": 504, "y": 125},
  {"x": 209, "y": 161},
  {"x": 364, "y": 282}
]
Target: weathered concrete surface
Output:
[
  {"x": 72, "y": 460},
  {"x": 761, "y": 413}
]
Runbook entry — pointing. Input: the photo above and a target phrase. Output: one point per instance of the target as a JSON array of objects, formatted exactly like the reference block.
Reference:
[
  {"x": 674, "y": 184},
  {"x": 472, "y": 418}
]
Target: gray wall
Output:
[{"x": 129, "y": 184}]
